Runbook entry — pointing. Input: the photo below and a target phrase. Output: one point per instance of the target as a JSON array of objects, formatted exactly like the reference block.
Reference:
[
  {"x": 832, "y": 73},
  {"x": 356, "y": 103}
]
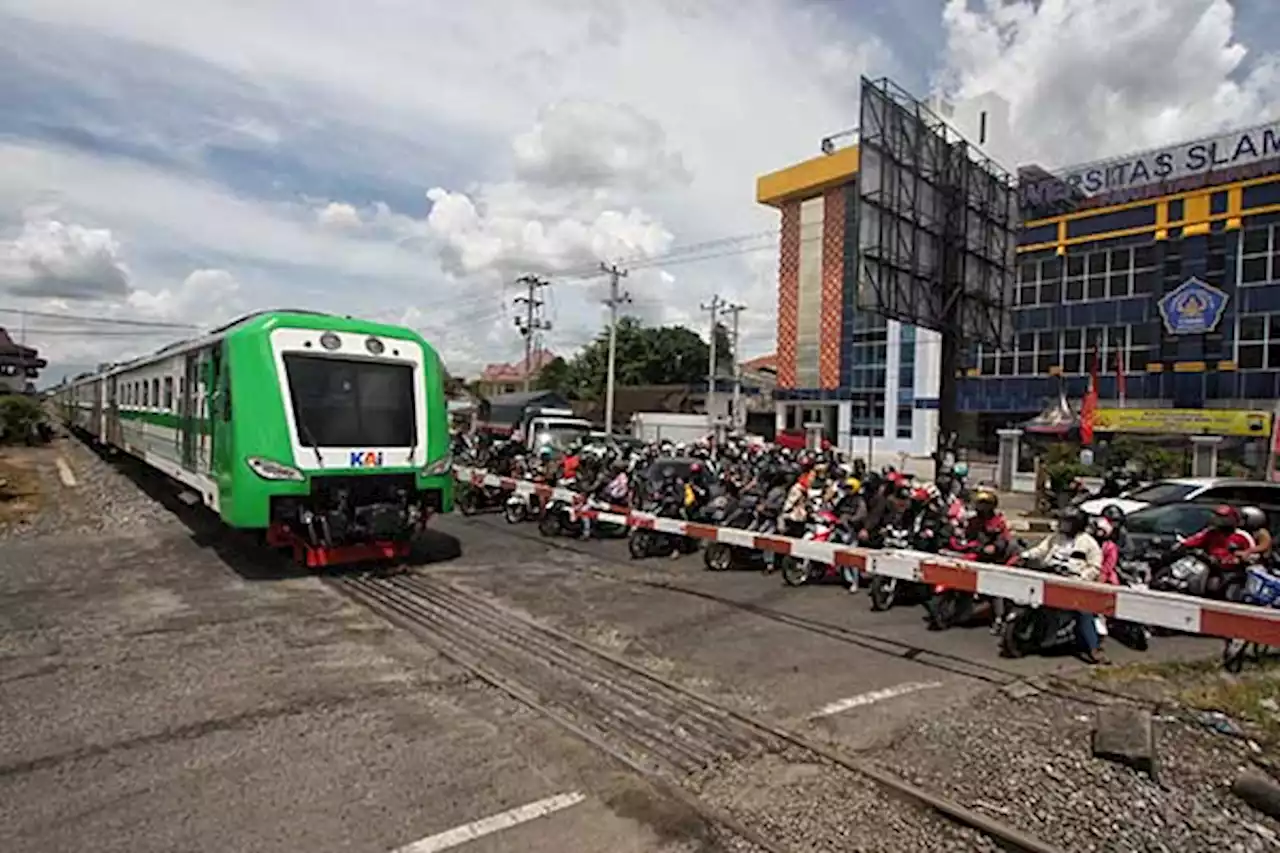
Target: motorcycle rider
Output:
[
  {"x": 1254, "y": 522},
  {"x": 611, "y": 487},
  {"x": 1222, "y": 540},
  {"x": 1073, "y": 538},
  {"x": 1119, "y": 529},
  {"x": 987, "y": 530}
]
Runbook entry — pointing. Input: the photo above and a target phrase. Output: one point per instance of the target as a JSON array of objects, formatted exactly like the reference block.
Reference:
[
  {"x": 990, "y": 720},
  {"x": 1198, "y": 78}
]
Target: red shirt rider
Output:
[
  {"x": 1223, "y": 538},
  {"x": 987, "y": 531}
]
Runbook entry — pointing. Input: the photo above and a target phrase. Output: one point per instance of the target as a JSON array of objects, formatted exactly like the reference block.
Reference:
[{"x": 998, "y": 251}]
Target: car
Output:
[
  {"x": 1161, "y": 525},
  {"x": 1228, "y": 490}
]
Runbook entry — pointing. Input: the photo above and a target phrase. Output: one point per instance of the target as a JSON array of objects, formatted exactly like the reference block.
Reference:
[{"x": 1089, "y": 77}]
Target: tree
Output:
[
  {"x": 646, "y": 355},
  {"x": 556, "y": 375}
]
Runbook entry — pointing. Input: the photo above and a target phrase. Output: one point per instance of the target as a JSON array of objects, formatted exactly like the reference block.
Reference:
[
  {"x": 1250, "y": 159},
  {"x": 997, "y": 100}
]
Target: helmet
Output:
[
  {"x": 960, "y": 469},
  {"x": 695, "y": 468},
  {"x": 1073, "y": 521},
  {"x": 1253, "y": 518},
  {"x": 986, "y": 496},
  {"x": 854, "y": 484},
  {"x": 1114, "y": 514},
  {"x": 546, "y": 451},
  {"x": 1102, "y": 528},
  {"x": 1224, "y": 517}
]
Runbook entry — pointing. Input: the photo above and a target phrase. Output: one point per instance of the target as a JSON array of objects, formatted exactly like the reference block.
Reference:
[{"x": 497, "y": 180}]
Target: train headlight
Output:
[
  {"x": 443, "y": 465},
  {"x": 330, "y": 341},
  {"x": 269, "y": 469},
  {"x": 374, "y": 346}
]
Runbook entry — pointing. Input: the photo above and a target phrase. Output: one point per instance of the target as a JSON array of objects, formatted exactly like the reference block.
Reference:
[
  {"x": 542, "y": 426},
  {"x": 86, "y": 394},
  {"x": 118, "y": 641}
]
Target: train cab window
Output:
[{"x": 168, "y": 393}]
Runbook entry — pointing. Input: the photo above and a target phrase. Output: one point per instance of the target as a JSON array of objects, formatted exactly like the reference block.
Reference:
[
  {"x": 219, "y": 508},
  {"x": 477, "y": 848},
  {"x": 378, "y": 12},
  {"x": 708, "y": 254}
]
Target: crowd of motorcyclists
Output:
[{"x": 820, "y": 496}]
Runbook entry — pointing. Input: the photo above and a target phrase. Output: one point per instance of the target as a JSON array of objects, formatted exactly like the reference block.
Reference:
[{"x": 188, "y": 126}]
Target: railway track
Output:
[{"x": 657, "y": 728}]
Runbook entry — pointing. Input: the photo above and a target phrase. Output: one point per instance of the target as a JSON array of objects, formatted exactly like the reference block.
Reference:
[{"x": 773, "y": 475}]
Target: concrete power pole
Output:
[
  {"x": 615, "y": 299},
  {"x": 739, "y": 422},
  {"x": 532, "y": 322},
  {"x": 714, "y": 307}
]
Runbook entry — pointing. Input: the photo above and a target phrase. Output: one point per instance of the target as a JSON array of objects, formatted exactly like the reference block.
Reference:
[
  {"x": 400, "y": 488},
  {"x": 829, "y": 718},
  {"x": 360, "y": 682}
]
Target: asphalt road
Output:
[
  {"x": 166, "y": 688},
  {"x": 791, "y": 653}
]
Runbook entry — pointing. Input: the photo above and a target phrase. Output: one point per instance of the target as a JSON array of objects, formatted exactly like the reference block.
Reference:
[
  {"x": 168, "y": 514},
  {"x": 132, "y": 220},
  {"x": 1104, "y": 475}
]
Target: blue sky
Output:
[{"x": 407, "y": 160}]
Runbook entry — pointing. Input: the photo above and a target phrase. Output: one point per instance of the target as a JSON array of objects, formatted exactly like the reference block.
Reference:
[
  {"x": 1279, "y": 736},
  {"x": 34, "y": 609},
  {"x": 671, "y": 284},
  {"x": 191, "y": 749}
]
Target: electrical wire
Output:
[{"x": 115, "y": 321}]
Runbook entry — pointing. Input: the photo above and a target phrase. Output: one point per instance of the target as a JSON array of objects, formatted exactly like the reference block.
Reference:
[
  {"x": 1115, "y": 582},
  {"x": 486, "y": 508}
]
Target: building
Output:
[
  {"x": 509, "y": 377},
  {"x": 1164, "y": 266},
  {"x": 20, "y": 366}
]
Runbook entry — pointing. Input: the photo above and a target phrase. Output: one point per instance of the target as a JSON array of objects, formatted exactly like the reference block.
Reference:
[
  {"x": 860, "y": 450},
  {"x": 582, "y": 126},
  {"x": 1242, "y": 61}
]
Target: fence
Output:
[{"x": 1158, "y": 609}]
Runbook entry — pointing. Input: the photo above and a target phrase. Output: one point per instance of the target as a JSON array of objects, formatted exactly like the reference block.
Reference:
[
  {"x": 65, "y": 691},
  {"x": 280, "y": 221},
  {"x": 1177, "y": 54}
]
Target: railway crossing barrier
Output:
[{"x": 1184, "y": 613}]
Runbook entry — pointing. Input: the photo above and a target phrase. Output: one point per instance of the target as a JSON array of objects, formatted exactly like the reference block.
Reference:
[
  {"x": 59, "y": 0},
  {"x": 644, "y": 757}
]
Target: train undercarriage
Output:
[{"x": 350, "y": 519}]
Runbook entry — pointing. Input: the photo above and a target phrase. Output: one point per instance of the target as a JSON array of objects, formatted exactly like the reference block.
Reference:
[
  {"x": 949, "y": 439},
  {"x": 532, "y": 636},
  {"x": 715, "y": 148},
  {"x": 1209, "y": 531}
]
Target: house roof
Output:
[
  {"x": 11, "y": 351},
  {"x": 514, "y": 371},
  {"x": 764, "y": 363}
]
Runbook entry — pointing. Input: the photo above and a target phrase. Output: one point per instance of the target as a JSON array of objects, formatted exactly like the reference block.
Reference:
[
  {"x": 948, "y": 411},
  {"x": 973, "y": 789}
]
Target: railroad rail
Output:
[
  {"x": 1184, "y": 613},
  {"x": 652, "y": 725}
]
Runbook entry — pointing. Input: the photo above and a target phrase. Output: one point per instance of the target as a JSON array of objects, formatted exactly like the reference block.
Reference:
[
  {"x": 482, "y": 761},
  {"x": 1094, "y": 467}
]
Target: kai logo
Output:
[{"x": 365, "y": 459}]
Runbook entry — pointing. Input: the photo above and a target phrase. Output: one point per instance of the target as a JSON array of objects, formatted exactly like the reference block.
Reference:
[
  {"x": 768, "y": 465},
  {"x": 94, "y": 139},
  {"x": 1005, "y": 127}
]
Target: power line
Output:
[{"x": 115, "y": 321}]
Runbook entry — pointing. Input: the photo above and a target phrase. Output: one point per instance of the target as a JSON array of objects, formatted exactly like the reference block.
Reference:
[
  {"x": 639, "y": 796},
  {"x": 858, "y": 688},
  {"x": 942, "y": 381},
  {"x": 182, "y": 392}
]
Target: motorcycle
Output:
[
  {"x": 885, "y": 591},
  {"x": 473, "y": 499},
  {"x": 1135, "y": 635},
  {"x": 721, "y": 556},
  {"x": 558, "y": 518},
  {"x": 643, "y": 542},
  {"x": 949, "y": 607},
  {"x": 1030, "y": 628},
  {"x": 823, "y": 527},
  {"x": 1197, "y": 573},
  {"x": 521, "y": 507}
]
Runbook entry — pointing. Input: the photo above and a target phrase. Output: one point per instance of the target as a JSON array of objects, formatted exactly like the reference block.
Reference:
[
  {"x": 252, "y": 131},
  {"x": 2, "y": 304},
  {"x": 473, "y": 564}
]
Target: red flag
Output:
[
  {"x": 1090, "y": 405},
  {"x": 1120, "y": 383}
]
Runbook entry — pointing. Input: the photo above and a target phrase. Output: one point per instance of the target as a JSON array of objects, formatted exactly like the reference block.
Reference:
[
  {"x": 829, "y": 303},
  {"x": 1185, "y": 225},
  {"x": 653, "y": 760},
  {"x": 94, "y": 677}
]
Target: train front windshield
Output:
[{"x": 351, "y": 403}]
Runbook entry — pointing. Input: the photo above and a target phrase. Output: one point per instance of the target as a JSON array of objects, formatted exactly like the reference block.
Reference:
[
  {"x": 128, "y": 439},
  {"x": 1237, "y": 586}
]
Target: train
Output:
[{"x": 325, "y": 434}]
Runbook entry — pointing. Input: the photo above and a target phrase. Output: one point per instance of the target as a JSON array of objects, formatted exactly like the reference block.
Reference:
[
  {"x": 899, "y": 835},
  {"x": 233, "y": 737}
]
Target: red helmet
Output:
[{"x": 1225, "y": 515}]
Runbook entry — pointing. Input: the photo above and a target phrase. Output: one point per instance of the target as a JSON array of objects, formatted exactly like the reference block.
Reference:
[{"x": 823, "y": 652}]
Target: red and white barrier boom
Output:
[{"x": 1164, "y": 609}]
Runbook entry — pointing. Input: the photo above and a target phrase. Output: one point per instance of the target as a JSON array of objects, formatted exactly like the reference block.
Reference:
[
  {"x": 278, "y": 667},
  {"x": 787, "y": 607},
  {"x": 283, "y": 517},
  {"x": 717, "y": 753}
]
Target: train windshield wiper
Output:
[{"x": 307, "y": 435}]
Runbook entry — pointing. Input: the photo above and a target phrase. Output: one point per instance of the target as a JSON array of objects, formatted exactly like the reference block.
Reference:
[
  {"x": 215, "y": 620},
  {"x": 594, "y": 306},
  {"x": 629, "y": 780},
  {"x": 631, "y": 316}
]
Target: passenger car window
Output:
[
  {"x": 1162, "y": 492},
  {"x": 1173, "y": 518}
]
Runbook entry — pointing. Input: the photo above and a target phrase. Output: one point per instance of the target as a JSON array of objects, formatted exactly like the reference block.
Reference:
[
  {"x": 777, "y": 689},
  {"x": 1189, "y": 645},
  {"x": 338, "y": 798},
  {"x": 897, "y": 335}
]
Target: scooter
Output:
[
  {"x": 643, "y": 542},
  {"x": 823, "y": 527},
  {"x": 885, "y": 591},
  {"x": 1030, "y": 628},
  {"x": 949, "y": 607},
  {"x": 522, "y": 507},
  {"x": 721, "y": 556}
]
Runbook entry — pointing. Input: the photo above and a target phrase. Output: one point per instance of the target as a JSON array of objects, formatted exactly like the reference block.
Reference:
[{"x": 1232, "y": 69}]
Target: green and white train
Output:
[{"x": 323, "y": 432}]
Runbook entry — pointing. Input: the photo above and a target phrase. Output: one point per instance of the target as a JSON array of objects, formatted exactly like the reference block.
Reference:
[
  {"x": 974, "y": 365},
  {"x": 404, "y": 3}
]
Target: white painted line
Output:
[
  {"x": 494, "y": 823},
  {"x": 842, "y": 705},
  {"x": 65, "y": 473}
]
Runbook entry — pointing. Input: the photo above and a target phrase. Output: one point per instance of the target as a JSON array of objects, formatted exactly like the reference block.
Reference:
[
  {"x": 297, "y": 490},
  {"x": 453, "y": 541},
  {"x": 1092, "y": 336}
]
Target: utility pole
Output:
[
  {"x": 532, "y": 322},
  {"x": 714, "y": 307},
  {"x": 615, "y": 299},
  {"x": 739, "y": 422}
]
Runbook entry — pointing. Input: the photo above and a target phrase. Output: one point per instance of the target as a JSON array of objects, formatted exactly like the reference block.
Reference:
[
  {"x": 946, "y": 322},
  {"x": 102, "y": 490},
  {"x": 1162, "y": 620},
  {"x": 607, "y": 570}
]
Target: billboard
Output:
[
  {"x": 937, "y": 222},
  {"x": 1241, "y": 422}
]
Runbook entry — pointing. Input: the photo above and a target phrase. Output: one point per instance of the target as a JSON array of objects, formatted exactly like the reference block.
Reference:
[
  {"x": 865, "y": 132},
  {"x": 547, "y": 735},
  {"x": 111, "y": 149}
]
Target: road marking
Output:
[
  {"x": 65, "y": 473},
  {"x": 842, "y": 705},
  {"x": 489, "y": 825}
]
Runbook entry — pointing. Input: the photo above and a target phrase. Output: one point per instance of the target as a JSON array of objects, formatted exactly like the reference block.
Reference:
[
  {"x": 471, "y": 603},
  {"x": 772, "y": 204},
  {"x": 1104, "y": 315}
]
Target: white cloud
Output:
[
  {"x": 206, "y": 296},
  {"x": 52, "y": 259},
  {"x": 338, "y": 215},
  {"x": 596, "y": 145},
  {"x": 573, "y": 129},
  {"x": 1095, "y": 78}
]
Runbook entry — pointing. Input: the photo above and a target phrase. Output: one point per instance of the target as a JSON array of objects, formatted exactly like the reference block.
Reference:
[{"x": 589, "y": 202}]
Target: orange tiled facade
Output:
[
  {"x": 833, "y": 203},
  {"x": 788, "y": 293}
]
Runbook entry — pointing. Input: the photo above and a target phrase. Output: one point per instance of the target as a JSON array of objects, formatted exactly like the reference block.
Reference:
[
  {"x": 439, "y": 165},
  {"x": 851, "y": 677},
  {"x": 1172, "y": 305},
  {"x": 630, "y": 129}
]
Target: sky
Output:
[{"x": 408, "y": 160}]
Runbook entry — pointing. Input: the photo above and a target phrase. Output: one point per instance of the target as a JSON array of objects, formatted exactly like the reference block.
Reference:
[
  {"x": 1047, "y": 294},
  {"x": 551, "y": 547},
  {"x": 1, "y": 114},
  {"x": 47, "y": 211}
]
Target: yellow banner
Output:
[{"x": 1184, "y": 421}]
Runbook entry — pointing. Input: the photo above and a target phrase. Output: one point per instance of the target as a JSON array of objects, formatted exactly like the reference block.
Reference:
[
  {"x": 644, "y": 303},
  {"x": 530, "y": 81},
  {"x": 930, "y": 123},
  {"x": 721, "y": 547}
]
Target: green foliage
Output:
[
  {"x": 646, "y": 355},
  {"x": 20, "y": 418},
  {"x": 555, "y": 376}
]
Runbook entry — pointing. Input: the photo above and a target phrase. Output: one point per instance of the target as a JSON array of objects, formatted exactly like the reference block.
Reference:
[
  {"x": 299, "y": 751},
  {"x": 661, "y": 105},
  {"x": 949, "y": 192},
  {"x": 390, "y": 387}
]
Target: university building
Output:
[{"x": 1164, "y": 266}]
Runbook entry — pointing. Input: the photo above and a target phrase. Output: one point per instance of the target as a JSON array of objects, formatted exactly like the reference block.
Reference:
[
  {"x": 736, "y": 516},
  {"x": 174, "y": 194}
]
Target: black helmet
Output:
[
  {"x": 1114, "y": 514},
  {"x": 1073, "y": 521}
]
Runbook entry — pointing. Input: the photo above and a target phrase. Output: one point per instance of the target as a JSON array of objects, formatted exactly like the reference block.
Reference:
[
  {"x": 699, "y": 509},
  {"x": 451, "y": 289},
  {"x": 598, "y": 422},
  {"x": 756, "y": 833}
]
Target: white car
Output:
[{"x": 1236, "y": 492}]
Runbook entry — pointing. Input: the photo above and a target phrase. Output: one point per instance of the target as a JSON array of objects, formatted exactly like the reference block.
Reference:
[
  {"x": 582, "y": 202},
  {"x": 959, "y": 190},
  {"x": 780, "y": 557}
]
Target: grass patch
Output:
[
  {"x": 1251, "y": 697},
  {"x": 19, "y": 488}
]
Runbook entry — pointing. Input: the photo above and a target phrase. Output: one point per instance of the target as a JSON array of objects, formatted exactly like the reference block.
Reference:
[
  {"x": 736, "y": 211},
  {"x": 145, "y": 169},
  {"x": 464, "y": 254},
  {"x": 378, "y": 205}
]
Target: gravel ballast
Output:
[{"x": 1027, "y": 762}]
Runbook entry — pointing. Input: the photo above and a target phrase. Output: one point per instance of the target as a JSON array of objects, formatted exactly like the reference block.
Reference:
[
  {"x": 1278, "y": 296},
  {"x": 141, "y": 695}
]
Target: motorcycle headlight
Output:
[
  {"x": 269, "y": 469},
  {"x": 443, "y": 465}
]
